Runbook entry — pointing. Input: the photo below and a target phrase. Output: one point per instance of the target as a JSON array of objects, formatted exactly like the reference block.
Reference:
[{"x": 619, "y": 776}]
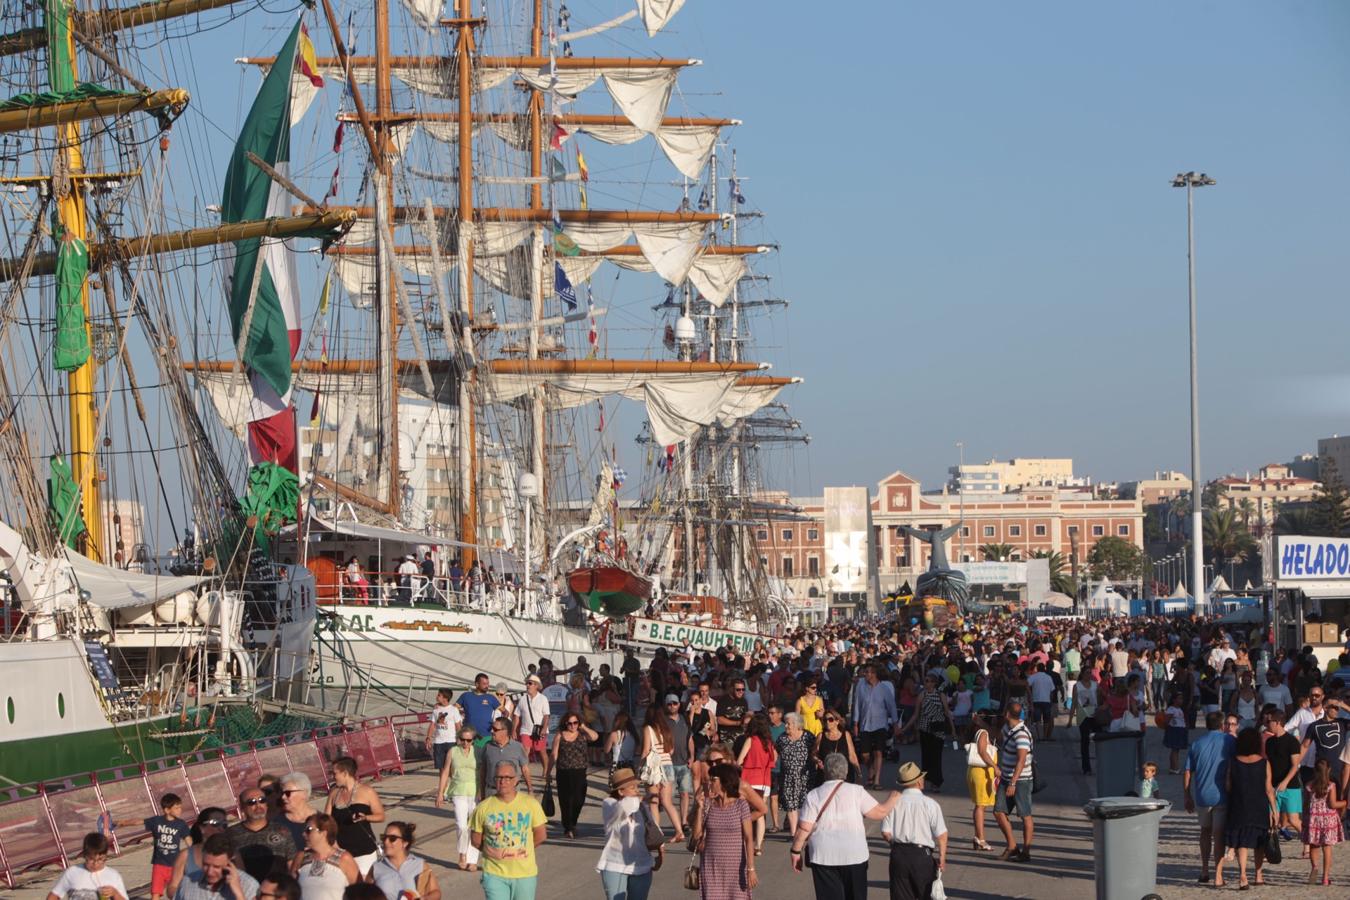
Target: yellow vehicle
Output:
[{"x": 930, "y": 612}]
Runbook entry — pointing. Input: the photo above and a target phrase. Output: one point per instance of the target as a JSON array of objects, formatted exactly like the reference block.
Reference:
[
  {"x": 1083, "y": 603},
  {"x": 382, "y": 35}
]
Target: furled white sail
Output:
[
  {"x": 678, "y": 404},
  {"x": 670, "y": 247},
  {"x": 567, "y": 82},
  {"x": 642, "y": 94},
  {"x": 656, "y": 13},
  {"x": 687, "y": 146},
  {"x": 744, "y": 400},
  {"x": 428, "y": 12},
  {"x": 715, "y": 276}
]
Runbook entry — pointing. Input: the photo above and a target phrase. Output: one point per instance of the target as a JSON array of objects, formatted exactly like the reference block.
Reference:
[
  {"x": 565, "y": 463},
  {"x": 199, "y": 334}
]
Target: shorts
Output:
[
  {"x": 365, "y": 862},
  {"x": 1020, "y": 802},
  {"x": 682, "y": 780},
  {"x": 439, "y": 752},
  {"x": 1045, "y": 712},
  {"x": 496, "y": 887},
  {"x": 1289, "y": 800},
  {"x": 160, "y": 876},
  {"x": 873, "y": 741},
  {"x": 534, "y": 745},
  {"x": 1212, "y": 817}
]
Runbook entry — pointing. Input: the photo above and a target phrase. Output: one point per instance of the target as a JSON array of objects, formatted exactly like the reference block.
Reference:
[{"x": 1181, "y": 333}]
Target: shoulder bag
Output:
[
  {"x": 651, "y": 832},
  {"x": 691, "y": 874},
  {"x": 806, "y": 850}
]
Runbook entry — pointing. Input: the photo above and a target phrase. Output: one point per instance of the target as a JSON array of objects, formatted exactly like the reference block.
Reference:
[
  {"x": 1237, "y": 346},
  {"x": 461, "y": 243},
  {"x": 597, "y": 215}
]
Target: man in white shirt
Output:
[
  {"x": 1220, "y": 653},
  {"x": 407, "y": 571},
  {"x": 914, "y": 829},
  {"x": 443, "y": 728},
  {"x": 1120, "y": 660},
  {"x": 531, "y": 722},
  {"x": 1299, "y": 723},
  {"x": 833, "y": 819}
]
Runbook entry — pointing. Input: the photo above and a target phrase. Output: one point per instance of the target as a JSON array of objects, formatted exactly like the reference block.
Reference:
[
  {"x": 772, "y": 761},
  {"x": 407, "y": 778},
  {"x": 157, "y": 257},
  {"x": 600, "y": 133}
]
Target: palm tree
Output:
[
  {"x": 1247, "y": 508},
  {"x": 996, "y": 552},
  {"x": 1181, "y": 510},
  {"x": 1226, "y": 537},
  {"x": 1299, "y": 520},
  {"x": 1060, "y": 580}
]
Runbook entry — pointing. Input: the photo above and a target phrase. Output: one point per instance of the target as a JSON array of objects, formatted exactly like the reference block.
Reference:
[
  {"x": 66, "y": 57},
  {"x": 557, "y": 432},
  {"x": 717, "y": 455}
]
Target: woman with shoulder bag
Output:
[
  {"x": 1090, "y": 712},
  {"x": 981, "y": 773},
  {"x": 633, "y": 842},
  {"x": 724, "y": 838},
  {"x": 569, "y": 765},
  {"x": 658, "y": 772}
]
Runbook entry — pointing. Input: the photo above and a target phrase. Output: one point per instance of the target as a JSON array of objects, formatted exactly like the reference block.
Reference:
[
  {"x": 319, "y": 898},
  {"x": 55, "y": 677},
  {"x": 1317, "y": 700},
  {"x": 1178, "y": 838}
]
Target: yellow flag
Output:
[{"x": 323, "y": 295}]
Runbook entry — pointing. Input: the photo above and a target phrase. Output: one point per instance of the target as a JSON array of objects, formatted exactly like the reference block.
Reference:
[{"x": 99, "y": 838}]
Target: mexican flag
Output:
[{"x": 274, "y": 330}]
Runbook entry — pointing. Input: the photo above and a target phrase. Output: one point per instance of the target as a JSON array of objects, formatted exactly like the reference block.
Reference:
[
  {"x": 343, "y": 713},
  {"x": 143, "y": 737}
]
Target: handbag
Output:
[
  {"x": 937, "y": 891},
  {"x": 651, "y": 832},
  {"x": 547, "y": 803},
  {"x": 691, "y": 875},
  {"x": 806, "y": 851},
  {"x": 1274, "y": 855}
]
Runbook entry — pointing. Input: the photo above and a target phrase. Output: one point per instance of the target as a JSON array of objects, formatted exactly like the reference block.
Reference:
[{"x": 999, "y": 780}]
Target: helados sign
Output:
[
  {"x": 700, "y": 637},
  {"x": 1300, "y": 557}
]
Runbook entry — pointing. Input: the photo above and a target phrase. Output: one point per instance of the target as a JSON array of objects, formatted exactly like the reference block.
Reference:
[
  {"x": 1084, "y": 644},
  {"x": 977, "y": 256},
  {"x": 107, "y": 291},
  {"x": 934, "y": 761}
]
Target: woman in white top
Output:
[
  {"x": 92, "y": 878},
  {"x": 657, "y": 741},
  {"x": 834, "y": 821},
  {"x": 1085, "y": 697},
  {"x": 323, "y": 868},
  {"x": 625, "y": 863}
]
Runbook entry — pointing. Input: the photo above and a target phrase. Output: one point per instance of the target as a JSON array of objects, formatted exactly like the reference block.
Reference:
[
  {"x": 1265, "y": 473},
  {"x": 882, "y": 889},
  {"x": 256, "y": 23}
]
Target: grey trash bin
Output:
[
  {"x": 1120, "y": 761},
  {"x": 1125, "y": 837}
]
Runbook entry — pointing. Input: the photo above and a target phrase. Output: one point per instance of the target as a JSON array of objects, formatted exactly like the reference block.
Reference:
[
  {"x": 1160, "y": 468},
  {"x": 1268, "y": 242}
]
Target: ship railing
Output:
[{"x": 44, "y": 823}]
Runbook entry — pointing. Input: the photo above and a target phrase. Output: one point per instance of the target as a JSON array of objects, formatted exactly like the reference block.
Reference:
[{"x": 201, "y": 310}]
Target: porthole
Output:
[
  {"x": 61, "y": 704},
  {"x": 9, "y": 709}
]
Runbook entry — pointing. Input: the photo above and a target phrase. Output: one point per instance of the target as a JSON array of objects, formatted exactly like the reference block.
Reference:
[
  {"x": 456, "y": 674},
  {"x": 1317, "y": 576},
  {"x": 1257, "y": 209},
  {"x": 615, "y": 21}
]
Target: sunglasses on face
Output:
[
  {"x": 309, "y": 829},
  {"x": 255, "y": 801},
  {"x": 212, "y": 823},
  {"x": 289, "y": 791},
  {"x": 391, "y": 837}
]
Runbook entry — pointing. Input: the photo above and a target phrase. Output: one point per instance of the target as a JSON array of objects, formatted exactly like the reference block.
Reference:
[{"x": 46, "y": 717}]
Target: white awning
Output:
[
  {"x": 111, "y": 588},
  {"x": 1319, "y": 590},
  {"x": 381, "y": 533}
]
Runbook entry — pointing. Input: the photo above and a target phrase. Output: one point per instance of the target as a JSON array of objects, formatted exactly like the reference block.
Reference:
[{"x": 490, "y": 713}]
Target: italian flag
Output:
[{"x": 274, "y": 329}]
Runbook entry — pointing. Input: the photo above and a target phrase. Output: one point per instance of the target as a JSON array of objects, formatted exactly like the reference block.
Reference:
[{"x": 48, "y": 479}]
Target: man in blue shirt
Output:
[
  {"x": 1205, "y": 782},
  {"x": 480, "y": 708}
]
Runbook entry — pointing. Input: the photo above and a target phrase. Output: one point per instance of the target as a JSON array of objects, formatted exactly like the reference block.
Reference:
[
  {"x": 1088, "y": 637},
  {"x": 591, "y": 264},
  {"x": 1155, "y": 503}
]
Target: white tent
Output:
[
  {"x": 1219, "y": 586},
  {"x": 1057, "y": 600},
  {"x": 1180, "y": 593}
]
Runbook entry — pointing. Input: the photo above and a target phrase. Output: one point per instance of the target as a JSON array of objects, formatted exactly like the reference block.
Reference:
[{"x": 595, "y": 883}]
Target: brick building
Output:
[{"x": 806, "y": 553}]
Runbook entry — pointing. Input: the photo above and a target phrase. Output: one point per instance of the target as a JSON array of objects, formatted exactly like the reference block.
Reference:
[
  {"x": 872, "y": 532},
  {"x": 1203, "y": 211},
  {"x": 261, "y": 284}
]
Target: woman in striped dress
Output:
[{"x": 724, "y": 836}]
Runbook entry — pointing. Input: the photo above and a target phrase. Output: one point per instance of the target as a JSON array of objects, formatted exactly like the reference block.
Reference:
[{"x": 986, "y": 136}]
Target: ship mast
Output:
[
  {"x": 464, "y": 24},
  {"x": 62, "y": 76},
  {"x": 385, "y": 270}
]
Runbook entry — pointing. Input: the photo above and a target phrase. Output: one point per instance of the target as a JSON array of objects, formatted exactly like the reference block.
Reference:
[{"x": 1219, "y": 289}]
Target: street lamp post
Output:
[
  {"x": 1190, "y": 181},
  {"x": 528, "y": 489}
]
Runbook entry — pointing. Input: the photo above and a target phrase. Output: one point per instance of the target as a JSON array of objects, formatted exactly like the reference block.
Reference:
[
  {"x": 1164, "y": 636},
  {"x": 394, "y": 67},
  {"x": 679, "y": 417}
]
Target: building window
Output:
[
  {"x": 762, "y": 534},
  {"x": 787, "y": 567},
  {"x": 813, "y": 592},
  {"x": 1014, "y": 530},
  {"x": 989, "y": 531},
  {"x": 787, "y": 534},
  {"x": 1073, "y": 529},
  {"x": 813, "y": 566},
  {"x": 1098, "y": 530},
  {"x": 812, "y": 534},
  {"x": 900, "y": 561},
  {"x": 965, "y": 531},
  {"x": 1123, "y": 530},
  {"x": 1038, "y": 530}
]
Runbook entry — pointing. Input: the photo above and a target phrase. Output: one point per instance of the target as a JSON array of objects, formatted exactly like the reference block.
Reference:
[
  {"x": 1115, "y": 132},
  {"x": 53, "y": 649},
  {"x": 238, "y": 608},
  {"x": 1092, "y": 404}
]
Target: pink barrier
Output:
[
  {"x": 241, "y": 767},
  {"x": 304, "y": 757},
  {"x": 41, "y": 825}
]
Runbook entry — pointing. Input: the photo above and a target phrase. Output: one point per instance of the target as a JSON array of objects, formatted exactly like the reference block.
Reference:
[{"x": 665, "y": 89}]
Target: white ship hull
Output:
[{"x": 410, "y": 648}]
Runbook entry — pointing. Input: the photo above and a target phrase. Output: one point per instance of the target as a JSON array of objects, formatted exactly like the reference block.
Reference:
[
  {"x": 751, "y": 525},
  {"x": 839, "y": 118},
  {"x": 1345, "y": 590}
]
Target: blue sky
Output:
[
  {"x": 978, "y": 236},
  {"x": 981, "y": 243}
]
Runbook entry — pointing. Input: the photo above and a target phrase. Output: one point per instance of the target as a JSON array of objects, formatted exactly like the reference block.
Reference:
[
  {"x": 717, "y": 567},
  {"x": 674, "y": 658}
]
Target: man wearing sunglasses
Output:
[
  {"x": 263, "y": 845},
  {"x": 501, "y": 749},
  {"x": 508, "y": 827}
]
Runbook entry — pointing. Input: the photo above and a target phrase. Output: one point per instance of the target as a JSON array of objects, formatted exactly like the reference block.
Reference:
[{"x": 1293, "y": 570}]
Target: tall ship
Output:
[
  {"x": 110, "y": 651},
  {"x": 520, "y": 316}
]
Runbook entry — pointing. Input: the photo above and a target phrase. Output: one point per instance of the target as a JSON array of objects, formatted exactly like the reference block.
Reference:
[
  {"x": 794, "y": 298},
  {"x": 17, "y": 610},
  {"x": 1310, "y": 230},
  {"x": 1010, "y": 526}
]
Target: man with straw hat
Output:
[{"x": 914, "y": 829}]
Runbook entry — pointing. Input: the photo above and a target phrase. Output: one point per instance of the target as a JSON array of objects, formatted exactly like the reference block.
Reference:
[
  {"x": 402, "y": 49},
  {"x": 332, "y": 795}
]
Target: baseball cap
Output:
[{"x": 672, "y": 698}]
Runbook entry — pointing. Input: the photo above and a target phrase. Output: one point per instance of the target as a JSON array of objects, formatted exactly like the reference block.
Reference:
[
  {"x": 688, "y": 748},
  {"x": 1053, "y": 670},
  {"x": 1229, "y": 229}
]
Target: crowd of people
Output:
[{"x": 781, "y": 750}]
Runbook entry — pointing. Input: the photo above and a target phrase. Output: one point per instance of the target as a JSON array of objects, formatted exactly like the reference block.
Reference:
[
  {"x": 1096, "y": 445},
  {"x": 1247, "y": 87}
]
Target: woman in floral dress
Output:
[
  {"x": 794, "y": 756},
  {"x": 725, "y": 838}
]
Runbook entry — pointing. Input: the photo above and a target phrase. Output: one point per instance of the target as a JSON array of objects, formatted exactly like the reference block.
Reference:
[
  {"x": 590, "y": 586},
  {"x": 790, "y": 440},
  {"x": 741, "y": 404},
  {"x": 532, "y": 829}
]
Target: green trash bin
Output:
[{"x": 1125, "y": 838}]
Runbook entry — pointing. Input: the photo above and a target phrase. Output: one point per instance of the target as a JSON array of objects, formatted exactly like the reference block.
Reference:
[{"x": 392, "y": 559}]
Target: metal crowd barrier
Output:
[{"x": 45, "y": 822}]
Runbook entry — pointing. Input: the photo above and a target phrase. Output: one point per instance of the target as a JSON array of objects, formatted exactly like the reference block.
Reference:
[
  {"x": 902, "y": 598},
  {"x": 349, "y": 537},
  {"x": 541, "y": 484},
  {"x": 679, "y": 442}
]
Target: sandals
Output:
[
  {"x": 1009, "y": 854},
  {"x": 980, "y": 845}
]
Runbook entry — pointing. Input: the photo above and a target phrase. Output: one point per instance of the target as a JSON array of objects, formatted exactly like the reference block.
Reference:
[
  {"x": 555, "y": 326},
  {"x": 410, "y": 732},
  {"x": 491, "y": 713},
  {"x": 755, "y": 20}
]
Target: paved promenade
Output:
[{"x": 1062, "y": 864}]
